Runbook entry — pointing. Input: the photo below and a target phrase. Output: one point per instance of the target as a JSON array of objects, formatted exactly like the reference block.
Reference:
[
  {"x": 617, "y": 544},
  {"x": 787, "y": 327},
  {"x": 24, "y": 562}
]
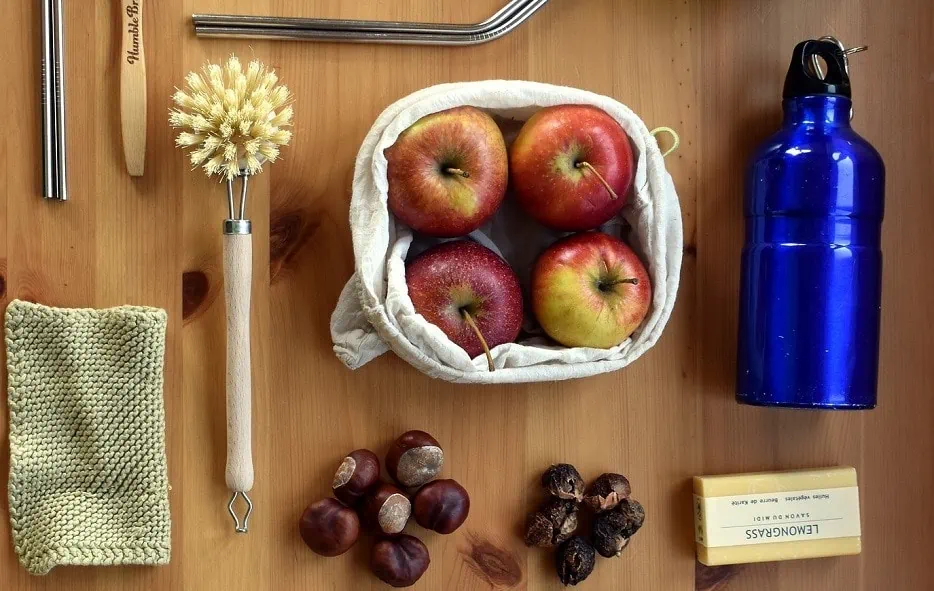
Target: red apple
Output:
[
  {"x": 571, "y": 167},
  {"x": 469, "y": 292},
  {"x": 448, "y": 172},
  {"x": 590, "y": 290}
]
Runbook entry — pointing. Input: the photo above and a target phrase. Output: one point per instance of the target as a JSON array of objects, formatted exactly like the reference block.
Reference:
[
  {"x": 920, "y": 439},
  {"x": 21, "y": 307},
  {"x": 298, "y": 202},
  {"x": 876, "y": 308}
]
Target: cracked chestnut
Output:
[
  {"x": 414, "y": 459},
  {"x": 387, "y": 509},
  {"x": 357, "y": 474}
]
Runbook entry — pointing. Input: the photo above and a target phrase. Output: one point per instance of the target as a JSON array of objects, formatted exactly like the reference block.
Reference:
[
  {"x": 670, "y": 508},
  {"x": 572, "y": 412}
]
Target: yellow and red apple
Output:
[
  {"x": 571, "y": 167},
  {"x": 447, "y": 172},
  {"x": 590, "y": 290}
]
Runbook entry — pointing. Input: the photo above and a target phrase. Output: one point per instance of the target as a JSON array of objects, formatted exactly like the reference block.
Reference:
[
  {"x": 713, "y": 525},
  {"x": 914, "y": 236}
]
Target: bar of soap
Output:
[{"x": 772, "y": 516}]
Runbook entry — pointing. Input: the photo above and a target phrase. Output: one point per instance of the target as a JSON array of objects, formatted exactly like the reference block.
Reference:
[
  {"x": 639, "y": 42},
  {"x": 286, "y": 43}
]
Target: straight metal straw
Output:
[
  {"x": 49, "y": 167},
  {"x": 58, "y": 19},
  {"x": 54, "y": 162},
  {"x": 311, "y": 29}
]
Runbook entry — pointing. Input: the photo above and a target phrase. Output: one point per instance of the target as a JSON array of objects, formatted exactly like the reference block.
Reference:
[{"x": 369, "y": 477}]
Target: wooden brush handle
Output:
[
  {"x": 238, "y": 275},
  {"x": 133, "y": 87}
]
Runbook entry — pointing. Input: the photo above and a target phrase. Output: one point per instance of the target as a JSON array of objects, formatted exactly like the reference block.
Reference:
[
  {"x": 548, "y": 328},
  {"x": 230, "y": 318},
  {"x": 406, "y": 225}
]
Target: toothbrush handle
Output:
[
  {"x": 133, "y": 87},
  {"x": 238, "y": 274}
]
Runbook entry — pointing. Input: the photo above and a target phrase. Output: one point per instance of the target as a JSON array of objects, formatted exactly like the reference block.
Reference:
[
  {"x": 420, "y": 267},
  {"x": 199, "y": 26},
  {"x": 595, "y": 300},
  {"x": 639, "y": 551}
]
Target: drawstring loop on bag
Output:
[{"x": 675, "y": 139}]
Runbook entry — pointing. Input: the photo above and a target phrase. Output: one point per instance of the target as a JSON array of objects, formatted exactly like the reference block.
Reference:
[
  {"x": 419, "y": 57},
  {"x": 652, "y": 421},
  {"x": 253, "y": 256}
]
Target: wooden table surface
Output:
[{"x": 712, "y": 69}]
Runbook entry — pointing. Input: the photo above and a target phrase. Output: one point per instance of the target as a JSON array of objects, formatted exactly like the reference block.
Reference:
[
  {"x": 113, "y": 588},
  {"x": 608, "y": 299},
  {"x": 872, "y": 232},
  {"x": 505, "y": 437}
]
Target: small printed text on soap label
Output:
[{"x": 778, "y": 517}]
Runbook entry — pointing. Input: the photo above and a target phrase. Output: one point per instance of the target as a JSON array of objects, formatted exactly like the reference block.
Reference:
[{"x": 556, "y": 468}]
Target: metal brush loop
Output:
[
  {"x": 236, "y": 223},
  {"x": 241, "y": 527}
]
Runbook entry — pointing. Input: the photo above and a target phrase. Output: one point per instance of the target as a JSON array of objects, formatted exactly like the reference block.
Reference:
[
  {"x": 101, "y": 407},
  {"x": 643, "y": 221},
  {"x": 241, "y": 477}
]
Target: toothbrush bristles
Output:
[{"x": 232, "y": 120}]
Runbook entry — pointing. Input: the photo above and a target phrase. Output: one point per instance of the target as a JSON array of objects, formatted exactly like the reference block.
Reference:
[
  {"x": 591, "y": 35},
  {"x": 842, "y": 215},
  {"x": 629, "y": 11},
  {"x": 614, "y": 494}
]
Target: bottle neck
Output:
[{"x": 817, "y": 111}]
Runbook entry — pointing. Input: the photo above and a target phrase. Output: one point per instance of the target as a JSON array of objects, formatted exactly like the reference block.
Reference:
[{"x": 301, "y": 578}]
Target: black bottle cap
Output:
[{"x": 802, "y": 80}]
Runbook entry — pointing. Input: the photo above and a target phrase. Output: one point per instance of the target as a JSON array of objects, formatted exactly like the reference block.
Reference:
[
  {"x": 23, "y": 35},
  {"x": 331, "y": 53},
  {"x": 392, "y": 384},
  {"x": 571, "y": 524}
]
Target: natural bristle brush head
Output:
[{"x": 233, "y": 120}]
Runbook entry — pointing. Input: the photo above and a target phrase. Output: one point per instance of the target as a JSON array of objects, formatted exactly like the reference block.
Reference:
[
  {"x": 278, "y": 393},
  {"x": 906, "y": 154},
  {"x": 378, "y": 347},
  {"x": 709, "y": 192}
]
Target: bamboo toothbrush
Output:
[
  {"x": 233, "y": 121},
  {"x": 133, "y": 87}
]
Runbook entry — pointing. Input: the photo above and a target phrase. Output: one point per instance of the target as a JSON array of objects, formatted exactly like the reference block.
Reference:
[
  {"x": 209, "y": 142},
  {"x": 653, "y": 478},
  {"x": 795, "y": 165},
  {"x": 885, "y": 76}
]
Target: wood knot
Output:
[
  {"x": 288, "y": 233},
  {"x": 195, "y": 289},
  {"x": 713, "y": 578},
  {"x": 690, "y": 250},
  {"x": 494, "y": 564}
]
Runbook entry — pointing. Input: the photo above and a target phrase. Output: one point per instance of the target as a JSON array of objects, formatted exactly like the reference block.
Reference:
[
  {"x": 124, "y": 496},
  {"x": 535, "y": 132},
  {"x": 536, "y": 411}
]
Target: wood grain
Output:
[{"x": 712, "y": 69}]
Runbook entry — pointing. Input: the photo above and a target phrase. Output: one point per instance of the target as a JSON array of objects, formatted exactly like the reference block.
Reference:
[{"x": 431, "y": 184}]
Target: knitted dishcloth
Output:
[{"x": 88, "y": 479}]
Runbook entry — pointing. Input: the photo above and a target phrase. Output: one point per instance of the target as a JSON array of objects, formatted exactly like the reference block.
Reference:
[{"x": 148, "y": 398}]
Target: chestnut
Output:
[
  {"x": 329, "y": 527},
  {"x": 387, "y": 509},
  {"x": 399, "y": 561},
  {"x": 357, "y": 474},
  {"x": 414, "y": 459},
  {"x": 441, "y": 506}
]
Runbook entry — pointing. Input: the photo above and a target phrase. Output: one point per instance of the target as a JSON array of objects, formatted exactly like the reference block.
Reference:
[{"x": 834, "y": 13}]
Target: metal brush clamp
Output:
[{"x": 236, "y": 223}]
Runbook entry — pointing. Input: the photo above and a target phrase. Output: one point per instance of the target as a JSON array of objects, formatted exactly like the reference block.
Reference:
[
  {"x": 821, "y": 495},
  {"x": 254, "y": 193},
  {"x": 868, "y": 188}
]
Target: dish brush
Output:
[{"x": 233, "y": 121}]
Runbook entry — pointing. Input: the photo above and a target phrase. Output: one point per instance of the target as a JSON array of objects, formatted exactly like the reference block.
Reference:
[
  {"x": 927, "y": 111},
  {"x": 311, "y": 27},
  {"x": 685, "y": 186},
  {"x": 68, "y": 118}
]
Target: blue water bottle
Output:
[{"x": 812, "y": 265}]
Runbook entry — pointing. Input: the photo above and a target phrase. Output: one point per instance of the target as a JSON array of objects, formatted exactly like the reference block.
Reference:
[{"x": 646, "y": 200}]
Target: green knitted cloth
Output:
[{"x": 88, "y": 479}]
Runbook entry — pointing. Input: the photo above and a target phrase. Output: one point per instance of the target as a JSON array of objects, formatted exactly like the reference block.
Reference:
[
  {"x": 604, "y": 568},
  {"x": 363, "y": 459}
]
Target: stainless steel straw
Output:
[
  {"x": 48, "y": 115},
  {"x": 500, "y": 24},
  {"x": 58, "y": 18},
  {"x": 54, "y": 161}
]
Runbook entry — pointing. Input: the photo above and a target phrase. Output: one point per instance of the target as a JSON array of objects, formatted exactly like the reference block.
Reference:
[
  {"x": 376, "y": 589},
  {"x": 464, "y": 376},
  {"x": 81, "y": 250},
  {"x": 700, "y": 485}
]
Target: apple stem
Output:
[
  {"x": 590, "y": 167},
  {"x": 630, "y": 280},
  {"x": 486, "y": 349},
  {"x": 458, "y": 172}
]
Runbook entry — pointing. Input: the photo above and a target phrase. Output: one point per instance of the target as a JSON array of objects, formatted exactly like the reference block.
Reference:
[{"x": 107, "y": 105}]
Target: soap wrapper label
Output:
[{"x": 766, "y": 518}]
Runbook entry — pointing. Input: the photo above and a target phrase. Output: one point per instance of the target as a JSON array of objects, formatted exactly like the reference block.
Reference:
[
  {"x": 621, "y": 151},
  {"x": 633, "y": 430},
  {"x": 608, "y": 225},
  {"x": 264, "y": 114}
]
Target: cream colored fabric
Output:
[
  {"x": 88, "y": 480},
  {"x": 375, "y": 314}
]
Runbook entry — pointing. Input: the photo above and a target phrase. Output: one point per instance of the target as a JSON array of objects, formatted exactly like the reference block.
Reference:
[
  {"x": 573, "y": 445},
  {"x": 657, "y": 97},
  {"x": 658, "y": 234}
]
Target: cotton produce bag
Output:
[{"x": 375, "y": 314}]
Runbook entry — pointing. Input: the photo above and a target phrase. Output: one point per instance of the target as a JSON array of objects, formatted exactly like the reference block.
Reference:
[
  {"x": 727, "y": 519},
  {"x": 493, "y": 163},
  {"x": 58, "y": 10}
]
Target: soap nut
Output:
[
  {"x": 387, "y": 509},
  {"x": 415, "y": 458},
  {"x": 563, "y": 481},
  {"x": 607, "y": 491},
  {"x": 575, "y": 560},
  {"x": 441, "y": 506},
  {"x": 613, "y": 529},
  {"x": 551, "y": 525},
  {"x": 357, "y": 474}
]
